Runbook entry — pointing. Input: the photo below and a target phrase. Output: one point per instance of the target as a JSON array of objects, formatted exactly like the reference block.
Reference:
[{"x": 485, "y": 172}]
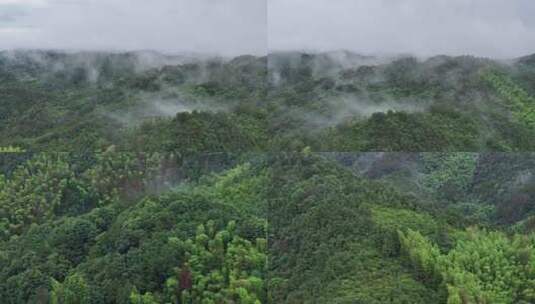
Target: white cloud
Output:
[
  {"x": 229, "y": 27},
  {"x": 15, "y": 30},
  {"x": 496, "y": 28},
  {"x": 24, "y": 2}
]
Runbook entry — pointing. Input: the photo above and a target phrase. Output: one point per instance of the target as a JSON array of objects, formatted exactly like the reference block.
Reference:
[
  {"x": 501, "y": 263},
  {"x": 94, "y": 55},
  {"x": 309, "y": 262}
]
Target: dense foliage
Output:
[
  {"x": 338, "y": 101},
  {"x": 267, "y": 228},
  {"x": 148, "y": 178},
  {"x": 96, "y": 229},
  {"x": 484, "y": 267}
]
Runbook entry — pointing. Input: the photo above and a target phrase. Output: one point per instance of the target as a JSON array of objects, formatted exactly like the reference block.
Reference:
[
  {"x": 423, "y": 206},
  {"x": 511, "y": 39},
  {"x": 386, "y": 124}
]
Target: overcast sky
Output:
[
  {"x": 493, "y": 28},
  {"x": 228, "y": 27}
]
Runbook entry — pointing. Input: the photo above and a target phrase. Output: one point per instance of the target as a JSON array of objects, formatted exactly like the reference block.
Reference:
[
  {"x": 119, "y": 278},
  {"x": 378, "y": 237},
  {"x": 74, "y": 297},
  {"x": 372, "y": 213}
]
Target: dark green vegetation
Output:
[
  {"x": 91, "y": 101},
  {"x": 337, "y": 101},
  {"x": 267, "y": 228},
  {"x": 401, "y": 228},
  {"x": 145, "y": 178},
  {"x": 121, "y": 228}
]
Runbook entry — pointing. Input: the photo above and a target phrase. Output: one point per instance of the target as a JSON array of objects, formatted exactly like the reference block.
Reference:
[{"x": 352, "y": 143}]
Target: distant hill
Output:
[{"x": 286, "y": 101}]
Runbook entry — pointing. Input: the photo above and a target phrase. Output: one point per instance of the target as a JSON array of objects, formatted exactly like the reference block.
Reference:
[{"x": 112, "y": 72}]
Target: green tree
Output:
[{"x": 74, "y": 290}]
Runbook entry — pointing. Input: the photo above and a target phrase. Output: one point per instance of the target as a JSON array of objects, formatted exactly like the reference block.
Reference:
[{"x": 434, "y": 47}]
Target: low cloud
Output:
[
  {"x": 227, "y": 27},
  {"x": 493, "y": 28}
]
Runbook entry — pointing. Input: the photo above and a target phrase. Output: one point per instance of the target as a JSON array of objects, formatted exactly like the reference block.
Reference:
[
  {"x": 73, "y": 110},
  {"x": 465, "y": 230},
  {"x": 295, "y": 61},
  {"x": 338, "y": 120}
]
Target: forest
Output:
[
  {"x": 334, "y": 177},
  {"x": 285, "y": 101},
  {"x": 296, "y": 227}
]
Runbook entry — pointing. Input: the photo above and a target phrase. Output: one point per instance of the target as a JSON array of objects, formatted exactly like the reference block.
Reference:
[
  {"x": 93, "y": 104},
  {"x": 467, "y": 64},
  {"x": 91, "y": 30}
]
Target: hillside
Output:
[
  {"x": 267, "y": 228},
  {"x": 337, "y": 101},
  {"x": 290, "y": 178}
]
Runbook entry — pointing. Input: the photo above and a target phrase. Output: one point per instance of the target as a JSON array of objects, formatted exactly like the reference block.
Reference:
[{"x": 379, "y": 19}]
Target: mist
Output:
[
  {"x": 485, "y": 28},
  {"x": 226, "y": 27},
  {"x": 153, "y": 106}
]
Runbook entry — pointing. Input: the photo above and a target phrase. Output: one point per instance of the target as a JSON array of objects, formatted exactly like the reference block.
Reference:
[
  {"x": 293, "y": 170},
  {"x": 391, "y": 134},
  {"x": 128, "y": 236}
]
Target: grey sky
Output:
[
  {"x": 493, "y": 28},
  {"x": 228, "y": 27}
]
